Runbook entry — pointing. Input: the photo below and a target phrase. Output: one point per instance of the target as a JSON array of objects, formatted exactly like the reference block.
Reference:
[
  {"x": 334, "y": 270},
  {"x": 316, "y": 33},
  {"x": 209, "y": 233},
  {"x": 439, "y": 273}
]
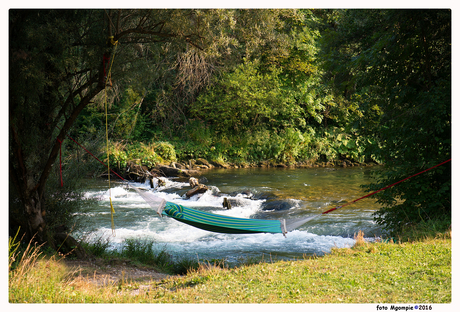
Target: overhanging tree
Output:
[{"x": 58, "y": 62}]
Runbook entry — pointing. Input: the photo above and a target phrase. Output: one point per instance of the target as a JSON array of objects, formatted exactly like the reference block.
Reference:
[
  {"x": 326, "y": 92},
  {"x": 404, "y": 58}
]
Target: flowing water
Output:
[{"x": 254, "y": 193}]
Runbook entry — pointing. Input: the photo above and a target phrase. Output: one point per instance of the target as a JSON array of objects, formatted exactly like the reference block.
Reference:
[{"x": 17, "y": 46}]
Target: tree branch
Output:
[
  {"x": 19, "y": 159},
  {"x": 64, "y": 130}
]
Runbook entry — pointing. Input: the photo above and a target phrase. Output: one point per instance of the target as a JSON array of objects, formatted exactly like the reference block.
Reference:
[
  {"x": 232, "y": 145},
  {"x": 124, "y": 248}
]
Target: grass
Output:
[
  {"x": 368, "y": 273},
  {"x": 377, "y": 272},
  {"x": 143, "y": 253}
]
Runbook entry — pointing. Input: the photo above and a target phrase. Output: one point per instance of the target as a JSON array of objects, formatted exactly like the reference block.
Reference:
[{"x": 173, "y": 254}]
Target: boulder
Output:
[
  {"x": 203, "y": 162},
  {"x": 276, "y": 205},
  {"x": 177, "y": 165},
  {"x": 193, "y": 182},
  {"x": 244, "y": 193},
  {"x": 199, "y": 189},
  {"x": 168, "y": 171},
  {"x": 265, "y": 195},
  {"x": 219, "y": 164}
]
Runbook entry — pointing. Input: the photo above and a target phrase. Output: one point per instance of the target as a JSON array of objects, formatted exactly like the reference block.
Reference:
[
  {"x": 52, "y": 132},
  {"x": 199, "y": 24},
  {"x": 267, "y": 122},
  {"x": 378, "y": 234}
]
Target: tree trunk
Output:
[
  {"x": 68, "y": 245},
  {"x": 53, "y": 77},
  {"x": 34, "y": 211}
]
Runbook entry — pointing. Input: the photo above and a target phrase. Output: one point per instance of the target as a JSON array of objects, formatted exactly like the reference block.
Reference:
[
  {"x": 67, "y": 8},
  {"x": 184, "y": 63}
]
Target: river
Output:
[{"x": 273, "y": 193}]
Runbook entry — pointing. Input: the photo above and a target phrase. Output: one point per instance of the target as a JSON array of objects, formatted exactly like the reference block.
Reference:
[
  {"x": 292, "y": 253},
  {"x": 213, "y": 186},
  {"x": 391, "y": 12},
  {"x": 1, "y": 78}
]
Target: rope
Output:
[
  {"x": 386, "y": 187},
  {"x": 112, "y": 211},
  {"x": 105, "y": 59},
  {"x": 60, "y": 161},
  {"x": 325, "y": 212},
  {"x": 93, "y": 156},
  {"x": 107, "y": 77}
]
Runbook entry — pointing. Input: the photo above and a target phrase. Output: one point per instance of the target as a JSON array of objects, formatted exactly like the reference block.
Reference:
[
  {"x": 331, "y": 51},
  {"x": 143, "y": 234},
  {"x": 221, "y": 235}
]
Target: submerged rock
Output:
[
  {"x": 276, "y": 205},
  {"x": 244, "y": 194},
  {"x": 264, "y": 195}
]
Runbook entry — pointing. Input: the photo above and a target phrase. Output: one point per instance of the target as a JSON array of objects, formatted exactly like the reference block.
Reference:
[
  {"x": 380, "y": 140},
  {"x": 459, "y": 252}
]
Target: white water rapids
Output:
[{"x": 134, "y": 219}]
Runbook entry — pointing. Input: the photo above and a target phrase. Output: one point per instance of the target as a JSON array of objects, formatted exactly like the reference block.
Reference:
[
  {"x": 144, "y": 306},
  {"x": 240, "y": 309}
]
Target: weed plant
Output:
[
  {"x": 369, "y": 272},
  {"x": 142, "y": 252}
]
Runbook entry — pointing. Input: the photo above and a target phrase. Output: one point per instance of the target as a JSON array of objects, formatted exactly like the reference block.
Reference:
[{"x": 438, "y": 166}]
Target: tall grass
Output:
[
  {"x": 426, "y": 230},
  {"x": 27, "y": 269},
  {"x": 369, "y": 272},
  {"x": 36, "y": 278},
  {"x": 143, "y": 252}
]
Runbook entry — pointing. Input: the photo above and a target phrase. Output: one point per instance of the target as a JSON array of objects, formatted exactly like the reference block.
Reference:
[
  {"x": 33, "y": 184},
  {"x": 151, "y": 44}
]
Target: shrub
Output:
[{"x": 166, "y": 151}]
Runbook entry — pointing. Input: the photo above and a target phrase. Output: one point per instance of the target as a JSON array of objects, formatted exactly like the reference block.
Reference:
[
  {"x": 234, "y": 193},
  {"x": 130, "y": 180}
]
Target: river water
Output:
[{"x": 262, "y": 193}]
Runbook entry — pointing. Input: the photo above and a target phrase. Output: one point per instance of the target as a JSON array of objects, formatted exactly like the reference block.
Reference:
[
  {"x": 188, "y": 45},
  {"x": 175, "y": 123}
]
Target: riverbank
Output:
[
  {"x": 138, "y": 171},
  {"x": 377, "y": 272},
  {"x": 202, "y": 163},
  {"x": 265, "y": 149}
]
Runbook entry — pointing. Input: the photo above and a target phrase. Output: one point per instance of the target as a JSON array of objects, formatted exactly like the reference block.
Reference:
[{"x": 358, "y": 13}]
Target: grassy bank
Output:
[{"x": 367, "y": 273}]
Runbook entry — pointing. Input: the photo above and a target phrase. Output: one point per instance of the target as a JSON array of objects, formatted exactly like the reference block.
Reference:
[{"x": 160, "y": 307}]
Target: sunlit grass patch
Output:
[{"x": 369, "y": 272}]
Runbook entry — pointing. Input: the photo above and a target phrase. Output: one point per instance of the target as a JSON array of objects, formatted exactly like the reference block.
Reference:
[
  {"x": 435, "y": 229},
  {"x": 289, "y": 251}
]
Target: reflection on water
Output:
[{"x": 254, "y": 193}]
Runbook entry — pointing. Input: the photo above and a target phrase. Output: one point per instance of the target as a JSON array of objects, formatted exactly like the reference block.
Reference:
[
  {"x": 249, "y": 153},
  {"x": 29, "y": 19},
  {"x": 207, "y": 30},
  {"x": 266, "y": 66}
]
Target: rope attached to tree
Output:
[
  {"x": 60, "y": 161},
  {"x": 386, "y": 187},
  {"x": 296, "y": 223},
  {"x": 107, "y": 77}
]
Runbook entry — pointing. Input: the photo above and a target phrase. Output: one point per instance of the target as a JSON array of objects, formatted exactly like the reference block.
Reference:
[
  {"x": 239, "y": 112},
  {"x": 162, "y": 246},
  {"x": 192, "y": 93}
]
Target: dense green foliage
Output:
[
  {"x": 47, "y": 91},
  {"x": 265, "y": 101},
  {"x": 244, "y": 86},
  {"x": 397, "y": 64}
]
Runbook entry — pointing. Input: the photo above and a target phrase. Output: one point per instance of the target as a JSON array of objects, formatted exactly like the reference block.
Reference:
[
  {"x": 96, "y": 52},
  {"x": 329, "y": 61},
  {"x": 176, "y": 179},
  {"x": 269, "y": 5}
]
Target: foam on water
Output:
[
  {"x": 183, "y": 240},
  {"x": 134, "y": 219}
]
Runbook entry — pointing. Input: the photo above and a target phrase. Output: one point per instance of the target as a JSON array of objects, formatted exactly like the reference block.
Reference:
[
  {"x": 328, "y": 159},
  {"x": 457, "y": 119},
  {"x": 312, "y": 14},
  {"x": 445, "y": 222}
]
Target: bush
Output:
[
  {"x": 166, "y": 151},
  {"x": 288, "y": 145}
]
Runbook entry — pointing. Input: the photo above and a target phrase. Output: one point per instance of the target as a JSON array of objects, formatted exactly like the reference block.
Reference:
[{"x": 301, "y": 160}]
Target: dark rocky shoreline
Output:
[{"x": 140, "y": 173}]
